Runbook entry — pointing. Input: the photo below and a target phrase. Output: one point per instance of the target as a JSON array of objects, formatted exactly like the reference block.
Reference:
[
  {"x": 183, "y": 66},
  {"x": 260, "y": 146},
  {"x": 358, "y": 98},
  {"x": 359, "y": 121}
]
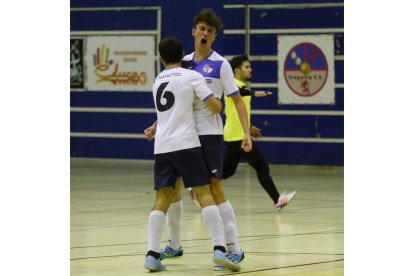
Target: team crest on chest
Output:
[{"x": 208, "y": 68}]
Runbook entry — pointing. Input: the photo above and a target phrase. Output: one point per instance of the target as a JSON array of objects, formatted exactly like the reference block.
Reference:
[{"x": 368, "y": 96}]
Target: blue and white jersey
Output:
[
  {"x": 174, "y": 92},
  {"x": 220, "y": 79}
]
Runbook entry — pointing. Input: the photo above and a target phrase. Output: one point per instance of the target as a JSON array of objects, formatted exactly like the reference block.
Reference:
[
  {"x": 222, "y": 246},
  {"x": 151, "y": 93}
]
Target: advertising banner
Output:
[
  {"x": 120, "y": 63},
  {"x": 76, "y": 63},
  {"x": 306, "y": 73}
]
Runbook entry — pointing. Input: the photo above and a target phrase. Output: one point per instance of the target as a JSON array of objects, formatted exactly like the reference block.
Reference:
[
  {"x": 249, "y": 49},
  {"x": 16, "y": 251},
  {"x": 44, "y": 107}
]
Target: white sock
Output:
[
  {"x": 230, "y": 227},
  {"x": 174, "y": 221},
  {"x": 156, "y": 222},
  {"x": 212, "y": 219}
]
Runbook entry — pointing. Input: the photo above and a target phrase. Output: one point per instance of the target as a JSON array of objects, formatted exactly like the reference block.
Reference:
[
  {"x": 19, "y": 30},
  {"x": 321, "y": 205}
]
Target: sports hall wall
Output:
[{"x": 110, "y": 124}]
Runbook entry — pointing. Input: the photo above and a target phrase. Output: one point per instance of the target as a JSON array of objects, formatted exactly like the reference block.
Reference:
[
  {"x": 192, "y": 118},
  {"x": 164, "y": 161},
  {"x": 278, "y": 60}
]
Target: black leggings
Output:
[{"x": 234, "y": 153}]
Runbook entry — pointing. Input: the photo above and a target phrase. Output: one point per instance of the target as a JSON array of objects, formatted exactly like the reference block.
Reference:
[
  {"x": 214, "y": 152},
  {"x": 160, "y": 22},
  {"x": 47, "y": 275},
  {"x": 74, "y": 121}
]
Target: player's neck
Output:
[
  {"x": 201, "y": 54},
  {"x": 173, "y": 65},
  {"x": 244, "y": 81}
]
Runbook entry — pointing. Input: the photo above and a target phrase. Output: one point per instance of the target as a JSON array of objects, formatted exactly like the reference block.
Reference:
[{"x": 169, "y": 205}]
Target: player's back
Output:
[{"x": 174, "y": 94}]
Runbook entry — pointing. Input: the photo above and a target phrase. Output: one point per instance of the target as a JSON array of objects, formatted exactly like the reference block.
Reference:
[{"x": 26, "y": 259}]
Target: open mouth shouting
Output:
[{"x": 203, "y": 41}]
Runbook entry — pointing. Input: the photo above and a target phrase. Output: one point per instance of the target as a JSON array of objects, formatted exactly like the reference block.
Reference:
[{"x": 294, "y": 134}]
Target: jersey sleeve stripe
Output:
[
  {"x": 233, "y": 93},
  {"x": 208, "y": 97}
]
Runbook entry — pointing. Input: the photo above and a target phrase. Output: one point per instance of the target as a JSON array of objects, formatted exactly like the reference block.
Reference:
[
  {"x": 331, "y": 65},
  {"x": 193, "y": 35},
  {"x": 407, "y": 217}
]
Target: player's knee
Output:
[
  {"x": 161, "y": 205},
  {"x": 217, "y": 191},
  {"x": 203, "y": 195},
  {"x": 176, "y": 196}
]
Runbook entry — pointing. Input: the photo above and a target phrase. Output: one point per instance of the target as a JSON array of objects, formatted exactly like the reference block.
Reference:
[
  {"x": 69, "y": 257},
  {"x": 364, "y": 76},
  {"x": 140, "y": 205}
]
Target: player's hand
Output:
[
  {"x": 255, "y": 132},
  {"x": 150, "y": 132},
  {"x": 247, "y": 143},
  {"x": 262, "y": 93}
]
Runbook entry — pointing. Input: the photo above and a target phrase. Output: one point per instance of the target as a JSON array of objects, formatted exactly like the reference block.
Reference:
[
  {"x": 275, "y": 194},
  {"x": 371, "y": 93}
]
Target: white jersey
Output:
[
  {"x": 174, "y": 92},
  {"x": 220, "y": 79}
]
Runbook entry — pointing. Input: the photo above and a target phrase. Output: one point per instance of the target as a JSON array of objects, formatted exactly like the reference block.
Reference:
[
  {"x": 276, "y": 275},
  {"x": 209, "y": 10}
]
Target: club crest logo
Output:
[
  {"x": 305, "y": 69},
  {"x": 208, "y": 68}
]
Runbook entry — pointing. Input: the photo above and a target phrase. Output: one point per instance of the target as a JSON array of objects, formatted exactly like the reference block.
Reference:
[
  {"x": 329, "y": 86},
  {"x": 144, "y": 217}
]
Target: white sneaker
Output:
[{"x": 284, "y": 199}]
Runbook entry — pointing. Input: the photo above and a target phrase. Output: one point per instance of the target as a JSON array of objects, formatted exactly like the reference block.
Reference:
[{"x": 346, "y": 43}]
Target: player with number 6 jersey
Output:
[{"x": 186, "y": 85}]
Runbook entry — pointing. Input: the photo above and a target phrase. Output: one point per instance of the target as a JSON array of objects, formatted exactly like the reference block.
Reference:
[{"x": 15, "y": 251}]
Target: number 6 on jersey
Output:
[{"x": 168, "y": 97}]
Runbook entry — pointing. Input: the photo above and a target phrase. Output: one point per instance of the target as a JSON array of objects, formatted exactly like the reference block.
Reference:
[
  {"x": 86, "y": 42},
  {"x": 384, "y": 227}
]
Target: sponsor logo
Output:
[
  {"x": 106, "y": 70},
  {"x": 305, "y": 69}
]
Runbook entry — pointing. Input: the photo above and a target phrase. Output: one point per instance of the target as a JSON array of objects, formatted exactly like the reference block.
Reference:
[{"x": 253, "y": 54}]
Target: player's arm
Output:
[
  {"x": 242, "y": 112},
  {"x": 150, "y": 131},
  {"x": 262, "y": 93},
  {"x": 203, "y": 92},
  {"x": 214, "y": 104},
  {"x": 244, "y": 91},
  {"x": 226, "y": 75},
  {"x": 255, "y": 132}
]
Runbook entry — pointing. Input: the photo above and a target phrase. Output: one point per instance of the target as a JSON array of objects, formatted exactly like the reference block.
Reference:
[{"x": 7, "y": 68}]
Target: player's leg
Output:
[
  {"x": 212, "y": 151},
  {"x": 256, "y": 160},
  {"x": 174, "y": 221},
  {"x": 196, "y": 175},
  {"x": 214, "y": 222},
  {"x": 156, "y": 222},
  {"x": 164, "y": 178},
  {"x": 231, "y": 158}
]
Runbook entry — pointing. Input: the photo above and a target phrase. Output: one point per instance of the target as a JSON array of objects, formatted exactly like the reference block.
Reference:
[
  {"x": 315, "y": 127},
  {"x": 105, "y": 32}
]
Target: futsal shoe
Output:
[
  {"x": 238, "y": 257},
  {"x": 153, "y": 264},
  {"x": 226, "y": 259},
  {"x": 170, "y": 253},
  {"x": 284, "y": 199}
]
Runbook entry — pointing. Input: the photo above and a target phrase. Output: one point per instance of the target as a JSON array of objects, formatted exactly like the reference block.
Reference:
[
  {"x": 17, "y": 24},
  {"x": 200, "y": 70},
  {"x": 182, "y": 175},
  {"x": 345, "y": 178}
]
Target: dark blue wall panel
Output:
[
  {"x": 177, "y": 20},
  {"x": 119, "y": 20},
  {"x": 271, "y": 102},
  {"x": 112, "y": 99},
  {"x": 263, "y": 44},
  {"x": 309, "y": 126},
  {"x": 111, "y": 148},
  {"x": 111, "y": 122},
  {"x": 233, "y": 44},
  {"x": 234, "y": 19},
  {"x": 296, "y": 18},
  {"x": 264, "y": 71},
  {"x": 322, "y": 154}
]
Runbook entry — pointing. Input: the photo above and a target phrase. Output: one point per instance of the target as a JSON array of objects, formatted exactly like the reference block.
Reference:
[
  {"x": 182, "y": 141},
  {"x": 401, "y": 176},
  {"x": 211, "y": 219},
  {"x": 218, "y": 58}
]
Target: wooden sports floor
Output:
[{"x": 111, "y": 201}]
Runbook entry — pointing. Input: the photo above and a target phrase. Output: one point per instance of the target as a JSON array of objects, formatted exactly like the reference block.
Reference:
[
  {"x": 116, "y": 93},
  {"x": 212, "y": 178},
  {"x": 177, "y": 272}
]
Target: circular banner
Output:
[{"x": 305, "y": 69}]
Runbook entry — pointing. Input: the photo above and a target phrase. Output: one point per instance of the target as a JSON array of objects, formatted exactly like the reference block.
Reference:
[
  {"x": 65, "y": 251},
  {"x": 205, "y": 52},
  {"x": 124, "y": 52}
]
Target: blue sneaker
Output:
[
  {"x": 226, "y": 259},
  {"x": 170, "y": 253},
  {"x": 238, "y": 257},
  {"x": 153, "y": 264}
]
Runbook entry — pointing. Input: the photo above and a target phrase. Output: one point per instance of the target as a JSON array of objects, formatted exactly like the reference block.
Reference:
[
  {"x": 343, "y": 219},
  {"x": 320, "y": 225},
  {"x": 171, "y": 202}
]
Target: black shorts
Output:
[
  {"x": 187, "y": 163},
  {"x": 212, "y": 146}
]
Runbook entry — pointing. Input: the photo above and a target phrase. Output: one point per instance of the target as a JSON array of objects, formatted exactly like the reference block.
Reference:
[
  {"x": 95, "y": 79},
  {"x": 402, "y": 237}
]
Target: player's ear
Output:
[{"x": 237, "y": 70}]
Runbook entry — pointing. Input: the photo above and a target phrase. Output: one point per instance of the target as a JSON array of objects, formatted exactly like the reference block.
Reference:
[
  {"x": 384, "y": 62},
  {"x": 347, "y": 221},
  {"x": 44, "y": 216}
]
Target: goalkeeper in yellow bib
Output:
[{"x": 233, "y": 134}]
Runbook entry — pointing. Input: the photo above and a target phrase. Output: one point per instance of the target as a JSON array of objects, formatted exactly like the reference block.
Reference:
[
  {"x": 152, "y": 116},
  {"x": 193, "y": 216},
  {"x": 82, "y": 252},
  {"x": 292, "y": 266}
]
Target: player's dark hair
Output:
[
  {"x": 237, "y": 61},
  {"x": 208, "y": 17},
  {"x": 171, "y": 50}
]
